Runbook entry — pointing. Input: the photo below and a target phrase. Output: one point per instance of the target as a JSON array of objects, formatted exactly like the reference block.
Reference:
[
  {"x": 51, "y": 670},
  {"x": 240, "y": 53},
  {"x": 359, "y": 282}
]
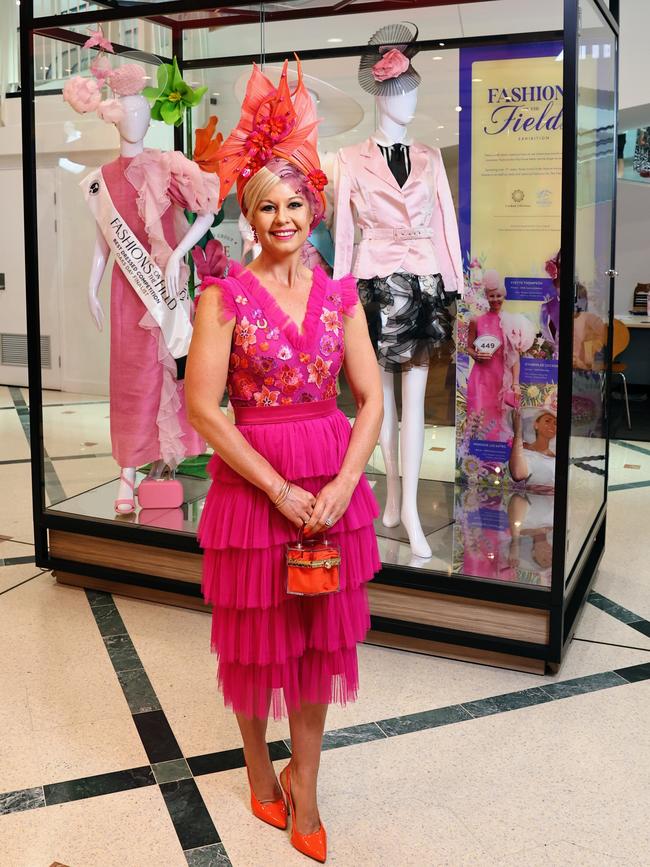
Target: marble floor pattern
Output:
[{"x": 116, "y": 749}]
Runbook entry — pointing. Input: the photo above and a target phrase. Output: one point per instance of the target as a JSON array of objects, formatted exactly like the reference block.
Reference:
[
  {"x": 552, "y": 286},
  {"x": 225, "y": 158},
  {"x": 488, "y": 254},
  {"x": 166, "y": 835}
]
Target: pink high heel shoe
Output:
[{"x": 125, "y": 505}]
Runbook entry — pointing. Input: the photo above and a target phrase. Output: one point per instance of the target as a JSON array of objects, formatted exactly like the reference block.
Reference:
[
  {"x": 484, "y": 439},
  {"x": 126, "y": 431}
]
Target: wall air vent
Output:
[{"x": 13, "y": 350}]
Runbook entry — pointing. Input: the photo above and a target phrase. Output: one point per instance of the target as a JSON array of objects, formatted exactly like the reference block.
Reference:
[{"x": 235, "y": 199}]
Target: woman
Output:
[
  {"x": 275, "y": 334},
  {"x": 495, "y": 341},
  {"x": 494, "y": 378},
  {"x": 534, "y": 462}
]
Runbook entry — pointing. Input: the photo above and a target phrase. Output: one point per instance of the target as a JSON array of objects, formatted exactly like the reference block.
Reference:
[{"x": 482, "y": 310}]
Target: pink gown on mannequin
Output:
[
  {"x": 486, "y": 381},
  {"x": 148, "y": 421}
]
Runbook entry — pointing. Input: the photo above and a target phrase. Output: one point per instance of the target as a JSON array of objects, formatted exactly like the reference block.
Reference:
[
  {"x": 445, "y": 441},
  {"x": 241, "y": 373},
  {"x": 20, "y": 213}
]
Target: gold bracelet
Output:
[
  {"x": 282, "y": 499},
  {"x": 283, "y": 494}
]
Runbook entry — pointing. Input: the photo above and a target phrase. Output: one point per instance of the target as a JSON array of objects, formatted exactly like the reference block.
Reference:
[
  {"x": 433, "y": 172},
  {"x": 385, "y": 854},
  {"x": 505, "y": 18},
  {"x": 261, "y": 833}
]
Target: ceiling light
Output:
[
  {"x": 477, "y": 79},
  {"x": 438, "y": 57},
  {"x": 459, "y": 108},
  {"x": 441, "y": 43},
  {"x": 335, "y": 39},
  {"x": 216, "y": 93},
  {"x": 441, "y": 126}
]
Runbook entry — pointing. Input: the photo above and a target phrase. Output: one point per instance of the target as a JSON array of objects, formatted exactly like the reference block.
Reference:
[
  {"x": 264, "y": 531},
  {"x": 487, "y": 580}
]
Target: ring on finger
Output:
[{"x": 328, "y": 522}]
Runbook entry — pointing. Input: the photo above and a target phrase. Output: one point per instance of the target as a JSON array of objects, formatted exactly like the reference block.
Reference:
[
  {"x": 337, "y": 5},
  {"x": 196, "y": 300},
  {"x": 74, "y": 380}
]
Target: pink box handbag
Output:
[{"x": 162, "y": 493}]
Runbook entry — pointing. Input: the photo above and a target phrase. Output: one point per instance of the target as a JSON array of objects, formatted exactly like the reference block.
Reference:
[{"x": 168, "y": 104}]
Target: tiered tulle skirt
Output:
[{"x": 277, "y": 652}]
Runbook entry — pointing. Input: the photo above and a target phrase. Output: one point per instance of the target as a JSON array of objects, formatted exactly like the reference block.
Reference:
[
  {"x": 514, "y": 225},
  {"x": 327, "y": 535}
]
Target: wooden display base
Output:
[{"x": 403, "y": 618}]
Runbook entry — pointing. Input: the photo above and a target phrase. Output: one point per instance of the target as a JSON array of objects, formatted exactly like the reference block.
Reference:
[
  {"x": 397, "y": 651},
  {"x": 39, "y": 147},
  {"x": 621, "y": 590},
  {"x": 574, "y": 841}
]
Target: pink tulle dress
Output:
[
  {"x": 486, "y": 381},
  {"x": 276, "y": 651}
]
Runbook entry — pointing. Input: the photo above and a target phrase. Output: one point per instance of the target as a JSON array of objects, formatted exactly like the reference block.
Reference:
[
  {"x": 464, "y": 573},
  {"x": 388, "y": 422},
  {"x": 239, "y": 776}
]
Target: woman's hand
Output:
[
  {"x": 516, "y": 423},
  {"x": 298, "y": 506},
  {"x": 331, "y": 503}
]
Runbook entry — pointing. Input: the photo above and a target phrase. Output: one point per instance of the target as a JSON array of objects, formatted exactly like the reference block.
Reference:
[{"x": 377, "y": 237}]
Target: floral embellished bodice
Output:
[{"x": 273, "y": 362}]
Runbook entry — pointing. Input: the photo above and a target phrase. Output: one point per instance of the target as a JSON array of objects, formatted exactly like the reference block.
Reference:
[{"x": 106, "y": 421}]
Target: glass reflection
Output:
[
  {"x": 595, "y": 179},
  {"x": 503, "y": 536}
]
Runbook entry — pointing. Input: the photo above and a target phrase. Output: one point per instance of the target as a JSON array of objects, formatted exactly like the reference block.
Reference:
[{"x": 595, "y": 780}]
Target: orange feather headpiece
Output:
[{"x": 275, "y": 124}]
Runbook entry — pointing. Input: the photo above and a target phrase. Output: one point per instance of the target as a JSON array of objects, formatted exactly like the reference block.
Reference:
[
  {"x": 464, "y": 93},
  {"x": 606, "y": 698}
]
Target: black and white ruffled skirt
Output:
[{"x": 409, "y": 317}]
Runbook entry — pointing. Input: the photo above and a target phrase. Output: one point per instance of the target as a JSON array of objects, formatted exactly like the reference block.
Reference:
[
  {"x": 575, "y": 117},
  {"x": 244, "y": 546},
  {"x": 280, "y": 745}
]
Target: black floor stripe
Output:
[
  {"x": 16, "y": 561},
  {"x": 157, "y": 737},
  {"x": 230, "y": 760},
  {"x": 101, "y": 784},
  {"x": 53, "y": 486},
  {"x": 339, "y": 738},
  {"x": 620, "y": 613},
  {"x": 187, "y": 810},
  {"x": 189, "y": 815}
]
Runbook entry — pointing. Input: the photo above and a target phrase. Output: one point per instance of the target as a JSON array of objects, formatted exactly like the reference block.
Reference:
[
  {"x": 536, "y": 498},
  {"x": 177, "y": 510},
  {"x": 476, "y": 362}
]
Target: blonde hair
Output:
[
  {"x": 257, "y": 189},
  {"x": 275, "y": 172}
]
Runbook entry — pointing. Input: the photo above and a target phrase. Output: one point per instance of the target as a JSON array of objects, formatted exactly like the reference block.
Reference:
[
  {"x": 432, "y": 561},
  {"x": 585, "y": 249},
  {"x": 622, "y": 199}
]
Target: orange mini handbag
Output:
[{"x": 313, "y": 567}]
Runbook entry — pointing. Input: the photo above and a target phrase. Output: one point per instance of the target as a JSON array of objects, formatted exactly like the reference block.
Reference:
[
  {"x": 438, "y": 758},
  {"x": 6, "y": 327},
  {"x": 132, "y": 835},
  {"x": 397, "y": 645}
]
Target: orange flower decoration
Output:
[{"x": 206, "y": 147}]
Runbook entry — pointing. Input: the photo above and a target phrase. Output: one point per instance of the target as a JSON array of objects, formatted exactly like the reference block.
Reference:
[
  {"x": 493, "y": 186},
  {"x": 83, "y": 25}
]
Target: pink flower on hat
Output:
[
  {"x": 82, "y": 94},
  {"x": 392, "y": 64},
  {"x": 110, "y": 110},
  {"x": 127, "y": 80}
]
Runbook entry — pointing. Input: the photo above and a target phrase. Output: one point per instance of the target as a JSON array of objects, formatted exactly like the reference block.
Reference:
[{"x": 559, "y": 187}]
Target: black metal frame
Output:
[{"x": 563, "y": 606}]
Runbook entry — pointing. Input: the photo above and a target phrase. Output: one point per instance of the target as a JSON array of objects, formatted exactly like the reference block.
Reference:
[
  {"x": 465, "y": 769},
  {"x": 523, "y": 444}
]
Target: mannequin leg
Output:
[
  {"x": 125, "y": 490},
  {"x": 414, "y": 383},
  {"x": 388, "y": 440}
]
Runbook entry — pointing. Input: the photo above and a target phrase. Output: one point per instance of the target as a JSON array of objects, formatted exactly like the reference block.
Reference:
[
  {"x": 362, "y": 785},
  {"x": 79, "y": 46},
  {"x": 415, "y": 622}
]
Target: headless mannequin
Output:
[
  {"x": 394, "y": 113},
  {"x": 132, "y": 129}
]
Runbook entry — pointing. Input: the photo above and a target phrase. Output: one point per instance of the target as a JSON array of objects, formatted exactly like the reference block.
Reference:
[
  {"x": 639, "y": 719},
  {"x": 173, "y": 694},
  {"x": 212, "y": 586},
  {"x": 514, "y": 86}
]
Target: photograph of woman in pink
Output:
[{"x": 495, "y": 341}]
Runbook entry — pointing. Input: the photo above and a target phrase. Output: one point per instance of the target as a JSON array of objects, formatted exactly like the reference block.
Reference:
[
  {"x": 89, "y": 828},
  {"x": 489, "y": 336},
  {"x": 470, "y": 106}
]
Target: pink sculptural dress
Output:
[
  {"x": 485, "y": 386},
  {"x": 275, "y": 649},
  {"x": 147, "y": 403}
]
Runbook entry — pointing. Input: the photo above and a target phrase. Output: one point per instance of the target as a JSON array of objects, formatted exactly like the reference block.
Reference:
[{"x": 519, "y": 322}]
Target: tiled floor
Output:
[{"x": 116, "y": 750}]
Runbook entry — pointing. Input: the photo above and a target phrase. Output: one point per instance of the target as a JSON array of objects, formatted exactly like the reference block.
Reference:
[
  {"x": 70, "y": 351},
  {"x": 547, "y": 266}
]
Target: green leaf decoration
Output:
[
  {"x": 173, "y": 96},
  {"x": 170, "y": 112}
]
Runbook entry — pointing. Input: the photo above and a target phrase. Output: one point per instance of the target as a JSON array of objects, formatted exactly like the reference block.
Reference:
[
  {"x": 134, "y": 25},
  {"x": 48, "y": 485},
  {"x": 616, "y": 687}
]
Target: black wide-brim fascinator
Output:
[{"x": 385, "y": 68}]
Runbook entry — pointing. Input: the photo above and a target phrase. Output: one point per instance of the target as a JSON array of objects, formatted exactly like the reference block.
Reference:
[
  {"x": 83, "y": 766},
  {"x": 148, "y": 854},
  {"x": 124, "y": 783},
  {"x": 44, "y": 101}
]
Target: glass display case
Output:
[{"x": 517, "y": 104}]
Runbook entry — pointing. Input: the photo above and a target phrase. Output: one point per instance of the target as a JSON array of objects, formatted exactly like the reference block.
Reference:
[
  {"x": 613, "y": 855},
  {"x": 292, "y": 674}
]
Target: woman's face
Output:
[
  {"x": 495, "y": 298},
  {"x": 546, "y": 425},
  {"x": 282, "y": 220}
]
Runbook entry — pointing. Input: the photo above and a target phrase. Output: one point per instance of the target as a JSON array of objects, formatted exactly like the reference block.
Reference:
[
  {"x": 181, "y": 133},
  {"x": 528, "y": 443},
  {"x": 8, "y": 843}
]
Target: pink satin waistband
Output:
[{"x": 281, "y": 414}]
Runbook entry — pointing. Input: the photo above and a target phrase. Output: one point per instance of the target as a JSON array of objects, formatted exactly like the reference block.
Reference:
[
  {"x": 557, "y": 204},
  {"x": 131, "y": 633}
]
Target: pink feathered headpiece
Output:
[{"x": 274, "y": 124}]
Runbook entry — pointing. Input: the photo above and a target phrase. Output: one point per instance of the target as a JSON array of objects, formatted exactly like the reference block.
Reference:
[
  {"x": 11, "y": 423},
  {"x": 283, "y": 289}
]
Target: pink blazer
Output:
[{"x": 412, "y": 228}]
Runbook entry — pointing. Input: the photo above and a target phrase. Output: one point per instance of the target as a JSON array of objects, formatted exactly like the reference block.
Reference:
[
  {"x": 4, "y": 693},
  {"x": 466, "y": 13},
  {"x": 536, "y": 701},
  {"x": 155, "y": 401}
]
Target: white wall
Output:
[{"x": 632, "y": 241}]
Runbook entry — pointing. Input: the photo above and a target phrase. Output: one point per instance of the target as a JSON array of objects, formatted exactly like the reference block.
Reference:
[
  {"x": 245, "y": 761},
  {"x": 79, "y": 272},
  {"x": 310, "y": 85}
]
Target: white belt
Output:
[{"x": 401, "y": 233}]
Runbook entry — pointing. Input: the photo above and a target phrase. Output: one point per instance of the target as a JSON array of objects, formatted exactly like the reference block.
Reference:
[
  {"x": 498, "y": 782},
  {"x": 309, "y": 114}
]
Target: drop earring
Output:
[{"x": 255, "y": 238}]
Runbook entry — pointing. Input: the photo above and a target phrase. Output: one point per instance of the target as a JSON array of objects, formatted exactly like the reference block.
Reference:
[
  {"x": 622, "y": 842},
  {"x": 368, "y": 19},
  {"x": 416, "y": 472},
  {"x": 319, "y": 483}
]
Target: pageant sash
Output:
[{"x": 172, "y": 315}]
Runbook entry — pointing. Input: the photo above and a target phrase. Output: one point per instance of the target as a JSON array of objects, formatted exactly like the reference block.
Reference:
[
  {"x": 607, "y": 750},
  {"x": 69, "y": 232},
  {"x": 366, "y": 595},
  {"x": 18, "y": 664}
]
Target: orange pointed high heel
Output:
[
  {"x": 313, "y": 845},
  {"x": 272, "y": 812}
]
